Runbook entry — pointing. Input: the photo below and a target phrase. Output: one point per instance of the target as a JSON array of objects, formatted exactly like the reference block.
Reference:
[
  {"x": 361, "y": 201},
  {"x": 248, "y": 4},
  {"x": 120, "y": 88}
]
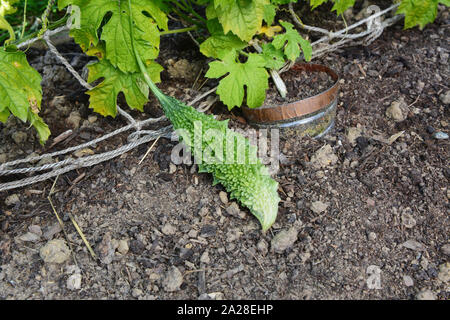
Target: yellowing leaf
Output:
[
  {"x": 20, "y": 91},
  {"x": 270, "y": 31}
]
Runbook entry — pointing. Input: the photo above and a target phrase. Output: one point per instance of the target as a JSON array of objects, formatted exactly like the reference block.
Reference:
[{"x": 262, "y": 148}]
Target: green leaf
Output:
[
  {"x": 315, "y": 3},
  {"x": 19, "y": 84},
  {"x": 41, "y": 128},
  {"x": 292, "y": 41},
  {"x": 147, "y": 17},
  {"x": 217, "y": 46},
  {"x": 6, "y": 7},
  {"x": 273, "y": 57},
  {"x": 4, "y": 115},
  {"x": 20, "y": 91},
  {"x": 103, "y": 98},
  {"x": 418, "y": 12},
  {"x": 242, "y": 17},
  {"x": 251, "y": 75},
  {"x": 341, "y": 5},
  {"x": 270, "y": 11}
]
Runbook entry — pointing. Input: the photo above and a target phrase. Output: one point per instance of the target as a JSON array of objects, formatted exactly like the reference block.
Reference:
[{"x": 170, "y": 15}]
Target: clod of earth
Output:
[{"x": 55, "y": 251}]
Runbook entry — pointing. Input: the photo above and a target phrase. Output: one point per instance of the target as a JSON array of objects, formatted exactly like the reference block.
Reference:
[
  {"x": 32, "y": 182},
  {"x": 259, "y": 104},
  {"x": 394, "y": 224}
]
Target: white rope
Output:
[{"x": 374, "y": 24}]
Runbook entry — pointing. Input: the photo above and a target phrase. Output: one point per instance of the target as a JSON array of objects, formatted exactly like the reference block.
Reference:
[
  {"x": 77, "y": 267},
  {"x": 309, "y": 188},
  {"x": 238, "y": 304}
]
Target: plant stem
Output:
[
  {"x": 56, "y": 25},
  {"x": 187, "y": 29},
  {"x": 45, "y": 17},
  {"x": 201, "y": 23},
  {"x": 5, "y": 24},
  {"x": 24, "y": 25}
]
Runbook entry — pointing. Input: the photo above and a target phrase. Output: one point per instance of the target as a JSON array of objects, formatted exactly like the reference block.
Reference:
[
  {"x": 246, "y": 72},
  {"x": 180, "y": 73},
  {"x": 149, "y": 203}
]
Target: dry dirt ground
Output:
[{"x": 356, "y": 207}]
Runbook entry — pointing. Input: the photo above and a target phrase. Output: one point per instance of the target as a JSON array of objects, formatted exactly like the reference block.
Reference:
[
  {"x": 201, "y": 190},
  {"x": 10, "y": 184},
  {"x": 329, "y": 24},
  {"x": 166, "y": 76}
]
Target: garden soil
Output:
[{"x": 364, "y": 212}]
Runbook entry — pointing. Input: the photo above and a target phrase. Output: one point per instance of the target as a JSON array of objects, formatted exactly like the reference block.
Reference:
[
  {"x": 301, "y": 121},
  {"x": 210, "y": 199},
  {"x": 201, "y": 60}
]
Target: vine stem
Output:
[
  {"x": 144, "y": 71},
  {"x": 45, "y": 17},
  {"x": 24, "y": 25},
  {"x": 187, "y": 29},
  {"x": 5, "y": 24}
]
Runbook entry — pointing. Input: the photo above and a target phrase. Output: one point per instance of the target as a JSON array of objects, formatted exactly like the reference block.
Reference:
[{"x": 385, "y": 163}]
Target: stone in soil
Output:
[
  {"x": 262, "y": 247},
  {"x": 408, "y": 281},
  {"x": 445, "y": 97},
  {"x": 52, "y": 230},
  {"x": 444, "y": 272},
  {"x": 137, "y": 247},
  {"x": 74, "y": 119},
  {"x": 12, "y": 200},
  {"x": 29, "y": 237},
  {"x": 353, "y": 133},
  {"x": 284, "y": 240},
  {"x": 440, "y": 135},
  {"x": 408, "y": 220},
  {"x": 122, "y": 247},
  {"x": 234, "y": 210},
  {"x": 398, "y": 111},
  {"x": 318, "y": 207},
  {"x": 19, "y": 137},
  {"x": 446, "y": 249},
  {"x": 426, "y": 295},
  {"x": 205, "y": 258},
  {"x": 55, "y": 251},
  {"x": 173, "y": 279},
  {"x": 74, "y": 282},
  {"x": 168, "y": 229},
  {"x": 324, "y": 157},
  {"x": 223, "y": 197},
  {"x": 105, "y": 249},
  {"x": 413, "y": 245}
]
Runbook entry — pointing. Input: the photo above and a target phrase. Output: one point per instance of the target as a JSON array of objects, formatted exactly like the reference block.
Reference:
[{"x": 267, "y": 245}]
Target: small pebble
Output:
[
  {"x": 12, "y": 200},
  {"x": 172, "y": 280},
  {"x": 426, "y": 295},
  {"x": 372, "y": 236},
  {"x": 409, "y": 282},
  {"x": 223, "y": 197},
  {"x": 440, "y": 135},
  {"x": 284, "y": 239},
  {"x": 74, "y": 282},
  {"x": 122, "y": 247}
]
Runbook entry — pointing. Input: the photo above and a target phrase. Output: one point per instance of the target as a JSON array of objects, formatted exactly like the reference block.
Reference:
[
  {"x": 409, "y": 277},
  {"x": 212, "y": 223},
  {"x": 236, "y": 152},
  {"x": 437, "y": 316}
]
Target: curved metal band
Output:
[{"x": 266, "y": 114}]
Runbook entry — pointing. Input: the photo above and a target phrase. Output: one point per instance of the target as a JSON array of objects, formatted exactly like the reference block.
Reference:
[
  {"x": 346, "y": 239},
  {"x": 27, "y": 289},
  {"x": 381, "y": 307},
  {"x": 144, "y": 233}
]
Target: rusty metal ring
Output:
[{"x": 297, "y": 109}]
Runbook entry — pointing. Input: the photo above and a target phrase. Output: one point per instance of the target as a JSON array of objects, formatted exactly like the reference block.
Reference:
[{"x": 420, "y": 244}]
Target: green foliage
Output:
[
  {"x": 292, "y": 41},
  {"x": 20, "y": 91},
  {"x": 241, "y": 17},
  {"x": 103, "y": 98},
  {"x": 117, "y": 65},
  {"x": 419, "y": 12},
  {"x": 251, "y": 74},
  {"x": 116, "y": 31},
  {"x": 235, "y": 27},
  {"x": 339, "y": 5}
]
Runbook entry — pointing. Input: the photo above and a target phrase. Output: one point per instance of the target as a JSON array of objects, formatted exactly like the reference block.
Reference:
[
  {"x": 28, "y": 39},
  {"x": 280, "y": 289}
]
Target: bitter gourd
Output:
[{"x": 244, "y": 177}]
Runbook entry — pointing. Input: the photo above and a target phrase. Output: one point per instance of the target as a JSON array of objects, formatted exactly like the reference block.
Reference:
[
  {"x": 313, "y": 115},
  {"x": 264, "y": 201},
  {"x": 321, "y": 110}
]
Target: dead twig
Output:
[
  {"x": 61, "y": 223},
  {"x": 148, "y": 151}
]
